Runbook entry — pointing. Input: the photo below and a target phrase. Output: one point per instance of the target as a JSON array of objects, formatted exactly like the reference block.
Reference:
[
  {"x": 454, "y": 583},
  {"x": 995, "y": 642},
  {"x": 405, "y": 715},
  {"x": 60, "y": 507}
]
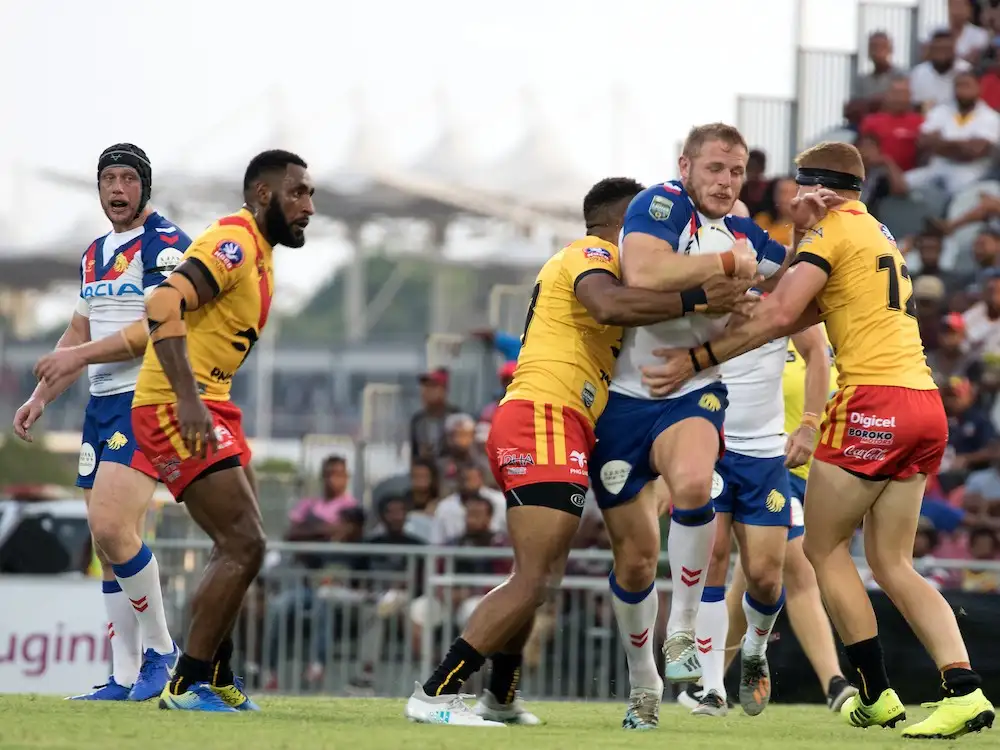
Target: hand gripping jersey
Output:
[
  {"x": 566, "y": 356},
  {"x": 755, "y": 417},
  {"x": 221, "y": 333},
  {"x": 794, "y": 386},
  {"x": 886, "y": 420},
  {"x": 116, "y": 272},
  {"x": 667, "y": 213}
]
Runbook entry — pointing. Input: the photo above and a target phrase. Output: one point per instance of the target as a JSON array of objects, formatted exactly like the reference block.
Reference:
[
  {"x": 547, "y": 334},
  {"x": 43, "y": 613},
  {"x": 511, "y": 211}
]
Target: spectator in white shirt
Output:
[
  {"x": 932, "y": 82},
  {"x": 449, "y": 516},
  {"x": 960, "y": 138},
  {"x": 970, "y": 40}
]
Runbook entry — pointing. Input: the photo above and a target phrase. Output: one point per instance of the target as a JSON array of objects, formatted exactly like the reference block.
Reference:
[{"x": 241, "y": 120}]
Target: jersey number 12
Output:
[
  {"x": 531, "y": 311},
  {"x": 888, "y": 263}
]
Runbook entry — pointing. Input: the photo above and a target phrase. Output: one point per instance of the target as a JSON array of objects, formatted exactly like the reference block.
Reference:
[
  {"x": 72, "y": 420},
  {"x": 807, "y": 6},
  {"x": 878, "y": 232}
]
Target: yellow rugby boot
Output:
[
  {"x": 953, "y": 717},
  {"x": 887, "y": 711}
]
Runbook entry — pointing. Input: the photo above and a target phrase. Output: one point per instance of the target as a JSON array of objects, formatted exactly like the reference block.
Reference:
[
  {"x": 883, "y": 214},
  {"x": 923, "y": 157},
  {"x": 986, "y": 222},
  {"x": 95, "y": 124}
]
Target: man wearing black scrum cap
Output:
[
  {"x": 885, "y": 431},
  {"x": 108, "y": 335}
]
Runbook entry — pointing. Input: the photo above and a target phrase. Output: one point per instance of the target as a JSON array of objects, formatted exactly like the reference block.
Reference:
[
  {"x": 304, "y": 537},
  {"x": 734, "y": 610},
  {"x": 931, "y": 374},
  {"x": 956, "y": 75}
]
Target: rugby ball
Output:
[{"x": 714, "y": 238}]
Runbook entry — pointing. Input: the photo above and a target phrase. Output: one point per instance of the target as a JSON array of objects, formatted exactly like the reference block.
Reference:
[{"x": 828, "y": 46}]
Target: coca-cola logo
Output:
[{"x": 866, "y": 454}]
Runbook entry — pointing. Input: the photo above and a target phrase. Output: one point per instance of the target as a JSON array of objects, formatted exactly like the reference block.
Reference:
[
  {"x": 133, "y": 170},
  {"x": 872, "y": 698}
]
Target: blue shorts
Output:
[
  {"x": 754, "y": 490},
  {"x": 620, "y": 466},
  {"x": 107, "y": 436},
  {"x": 798, "y": 496}
]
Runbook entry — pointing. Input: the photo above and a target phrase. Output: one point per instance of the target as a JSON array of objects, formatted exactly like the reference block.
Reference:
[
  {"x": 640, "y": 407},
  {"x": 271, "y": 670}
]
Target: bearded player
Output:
[
  {"x": 678, "y": 438},
  {"x": 203, "y": 322},
  {"x": 107, "y": 335},
  {"x": 541, "y": 440},
  {"x": 849, "y": 272}
]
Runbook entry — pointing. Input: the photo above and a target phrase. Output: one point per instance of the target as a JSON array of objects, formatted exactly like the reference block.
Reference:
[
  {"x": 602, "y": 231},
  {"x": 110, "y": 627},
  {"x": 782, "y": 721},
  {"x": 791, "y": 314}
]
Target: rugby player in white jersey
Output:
[
  {"x": 108, "y": 335},
  {"x": 640, "y": 437},
  {"x": 753, "y": 501}
]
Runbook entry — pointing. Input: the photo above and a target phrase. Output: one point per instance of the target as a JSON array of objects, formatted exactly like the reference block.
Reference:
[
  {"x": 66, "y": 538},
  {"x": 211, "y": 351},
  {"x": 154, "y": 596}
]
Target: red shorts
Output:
[
  {"x": 156, "y": 432},
  {"x": 531, "y": 443},
  {"x": 884, "y": 432}
]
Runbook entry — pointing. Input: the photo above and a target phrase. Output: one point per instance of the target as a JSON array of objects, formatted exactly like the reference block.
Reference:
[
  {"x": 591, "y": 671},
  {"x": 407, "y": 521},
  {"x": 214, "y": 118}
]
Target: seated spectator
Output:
[
  {"x": 932, "y": 82},
  {"x": 973, "y": 444},
  {"x": 427, "y": 431},
  {"x": 449, "y": 518},
  {"x": 461, "y": 449},
  {"x": 948, "y": 359},
  {"x": 982, "y": 322},
  {"x": 314, "y": 519},
  {"x": 872, "y": 86},
  {"x": 925, "y": 544},
  {"x": 928, "y": 246},
  {"x": 756, "y": 188},
  {"x": 981, "y": 500},
  {"x": 988, "y": 211},
  {"x": 970, "y": 40},
  {"x": 391, "y": 582},
  {"x": 984, "y": 546},
  {"x": 896, "y": 124},
  {"x": 505, "y": 374},
  {"x": 777, "y": 220},
  {"x": 929, "y": 293},
  {"x": 960, "y": 138},
  {"x": 883, "y": 177},
  {"x": 422, "y": 499}
]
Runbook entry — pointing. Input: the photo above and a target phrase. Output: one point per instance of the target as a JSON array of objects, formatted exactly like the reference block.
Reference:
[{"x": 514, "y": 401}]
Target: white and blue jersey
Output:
[
  {"x": 751, "y": 480},
  {"x": 633, "y": 419},
  {"x": 116, "y": 273}
]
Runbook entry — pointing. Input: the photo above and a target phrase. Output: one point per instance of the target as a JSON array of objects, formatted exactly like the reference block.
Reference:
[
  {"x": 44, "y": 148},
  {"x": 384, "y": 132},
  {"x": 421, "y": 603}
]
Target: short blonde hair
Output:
[
  {"x": 714, "y": 131},
  {"x": 839, "y": 157}
]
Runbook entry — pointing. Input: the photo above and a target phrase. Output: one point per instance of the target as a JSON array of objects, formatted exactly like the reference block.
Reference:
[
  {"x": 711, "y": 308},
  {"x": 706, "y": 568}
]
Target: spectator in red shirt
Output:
[{"x": 896, "y": 125}]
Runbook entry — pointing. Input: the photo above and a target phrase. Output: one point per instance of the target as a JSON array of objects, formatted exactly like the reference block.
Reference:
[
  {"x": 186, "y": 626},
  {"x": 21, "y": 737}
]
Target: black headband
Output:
[
  {"x": 829, "y": 178},
  {"x": 129, "y": 155}
]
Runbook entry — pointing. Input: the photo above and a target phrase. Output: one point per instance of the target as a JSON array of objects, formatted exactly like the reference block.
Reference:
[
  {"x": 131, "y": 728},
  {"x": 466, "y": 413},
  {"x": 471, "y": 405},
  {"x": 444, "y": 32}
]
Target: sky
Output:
[{"x": 202, "y": 86}]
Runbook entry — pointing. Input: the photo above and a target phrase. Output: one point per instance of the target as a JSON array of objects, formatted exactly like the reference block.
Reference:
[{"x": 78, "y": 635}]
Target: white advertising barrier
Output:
[{"x": 53, "y": 635}]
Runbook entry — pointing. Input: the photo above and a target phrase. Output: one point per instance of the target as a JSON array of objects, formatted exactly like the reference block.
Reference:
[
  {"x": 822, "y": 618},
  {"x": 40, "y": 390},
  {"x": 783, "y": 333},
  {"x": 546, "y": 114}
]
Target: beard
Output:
[
  {"x": 697, "y": 197},
  {"x": 279, "y": 231}
]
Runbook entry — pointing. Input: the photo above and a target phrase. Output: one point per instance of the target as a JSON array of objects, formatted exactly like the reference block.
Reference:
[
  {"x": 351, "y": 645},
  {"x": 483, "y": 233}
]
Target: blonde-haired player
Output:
[{"x": 885, "y": 431}]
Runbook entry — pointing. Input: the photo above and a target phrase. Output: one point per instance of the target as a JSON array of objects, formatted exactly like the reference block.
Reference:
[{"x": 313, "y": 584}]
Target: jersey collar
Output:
[{"x": 853, "y": 207}]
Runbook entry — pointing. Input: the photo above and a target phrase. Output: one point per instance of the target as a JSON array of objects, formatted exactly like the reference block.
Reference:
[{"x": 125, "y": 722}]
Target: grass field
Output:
[{"x": 32, "y": 722}]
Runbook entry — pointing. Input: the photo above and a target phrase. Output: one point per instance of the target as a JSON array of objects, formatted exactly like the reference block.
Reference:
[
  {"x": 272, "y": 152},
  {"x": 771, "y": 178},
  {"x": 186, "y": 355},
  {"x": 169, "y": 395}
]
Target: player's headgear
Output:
[
  {"x": 829, "y": 178},
  {"x": 129, "y": 155}
]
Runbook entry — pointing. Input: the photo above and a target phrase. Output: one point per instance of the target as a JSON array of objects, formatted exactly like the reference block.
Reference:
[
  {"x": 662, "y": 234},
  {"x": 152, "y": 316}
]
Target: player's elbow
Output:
[{"x": 782, "y": 320}]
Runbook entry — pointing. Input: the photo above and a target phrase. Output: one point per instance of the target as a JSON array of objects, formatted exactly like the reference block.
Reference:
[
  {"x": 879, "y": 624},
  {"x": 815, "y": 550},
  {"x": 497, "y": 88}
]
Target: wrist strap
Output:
[
  {"x": 693, "y": 300},
  {"x": 810, "y": 420},
  {"x": 728, "y": 260},
  {"x": 702, "y": 357}
]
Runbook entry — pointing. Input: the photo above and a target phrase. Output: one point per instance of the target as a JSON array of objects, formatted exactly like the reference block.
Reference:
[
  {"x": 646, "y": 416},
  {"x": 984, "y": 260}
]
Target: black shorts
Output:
[{"x": 565, "y": 496}]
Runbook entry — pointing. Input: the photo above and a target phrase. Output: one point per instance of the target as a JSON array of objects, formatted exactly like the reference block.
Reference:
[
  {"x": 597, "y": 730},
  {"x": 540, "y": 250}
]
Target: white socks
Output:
[
  {"x": 713, "y": 627},
  {"x": 760, "y": 620},
  {"x": 140, "y": 580},
  {"x": 689, "y": 547},
  {"x": 123, "y": 630},
  {"x": 636, "y": 616}
]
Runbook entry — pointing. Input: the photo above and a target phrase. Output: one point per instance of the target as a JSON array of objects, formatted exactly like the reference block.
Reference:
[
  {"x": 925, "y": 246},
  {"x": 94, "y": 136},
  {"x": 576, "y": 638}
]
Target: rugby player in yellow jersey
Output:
[
  {"x": 885, "y": 431},
  {"x": 541, "y": 439},
  {"x": 203, "y": 322}
]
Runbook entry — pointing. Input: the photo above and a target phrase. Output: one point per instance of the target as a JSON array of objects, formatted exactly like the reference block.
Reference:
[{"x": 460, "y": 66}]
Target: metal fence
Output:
[{"x": 372, "y": 619}]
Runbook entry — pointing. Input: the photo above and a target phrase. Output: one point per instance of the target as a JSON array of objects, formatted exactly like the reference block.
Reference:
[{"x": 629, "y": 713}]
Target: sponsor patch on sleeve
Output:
[
  {"x": 660, "y": 208},
  {"x": 597, "y": 253},
  {"x": 229, "y": 254}
]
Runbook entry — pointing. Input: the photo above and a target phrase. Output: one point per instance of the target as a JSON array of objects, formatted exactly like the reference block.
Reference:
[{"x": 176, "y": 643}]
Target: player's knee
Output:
[
  {"x": 635, "y": 566},
  {"x": 718, "y": 564},
  {"x": 532, "y": 584},
  {"x": 114, "y": 537},
  {"x": 246, "y": 544},
  {"x": 799, "y": 575},
  {"x": 764, "y": 579},
  {"x": 890, "y": 572},
  {"x": 690, "y": 488}
]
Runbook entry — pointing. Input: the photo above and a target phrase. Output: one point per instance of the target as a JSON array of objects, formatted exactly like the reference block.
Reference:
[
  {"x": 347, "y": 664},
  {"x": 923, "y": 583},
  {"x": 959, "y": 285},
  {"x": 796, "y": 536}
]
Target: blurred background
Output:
[{"x": 451, "y": 146}]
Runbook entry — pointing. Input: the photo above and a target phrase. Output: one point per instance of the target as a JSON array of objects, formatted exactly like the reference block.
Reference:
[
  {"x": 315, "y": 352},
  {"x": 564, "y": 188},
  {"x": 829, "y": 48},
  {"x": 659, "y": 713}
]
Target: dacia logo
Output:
[
  {"x": 117, "y": 441},
  {"x": 121, "y": 264},
  {"x": 108, "y": 289},
  {"x": 775, "y": 501},
  {"x": 710, "y": 402}
]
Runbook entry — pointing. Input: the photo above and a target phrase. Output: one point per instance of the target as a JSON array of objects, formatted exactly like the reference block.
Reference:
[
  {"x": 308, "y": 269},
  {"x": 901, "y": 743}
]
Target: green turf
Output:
[{"x": 31, "y": 722}]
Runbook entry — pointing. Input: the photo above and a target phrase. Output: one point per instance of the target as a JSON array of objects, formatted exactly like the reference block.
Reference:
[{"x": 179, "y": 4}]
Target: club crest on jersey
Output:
[
  {"x": 597, "y": 253},
  {"x": 775, "y": 501},
  {"x": 117, "y": 441},
  {"x": 710, "y": 402},
  {"x": 887, "y": 234},
  {"x": 660, "y": 208},
  {"x": 229, "y": 254}
]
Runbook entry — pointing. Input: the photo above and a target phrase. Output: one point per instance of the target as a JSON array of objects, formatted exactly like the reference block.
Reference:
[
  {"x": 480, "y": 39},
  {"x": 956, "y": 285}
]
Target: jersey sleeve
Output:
[
  {"x": 161, "y": 252},
  {"x": 820, "y": 247},
  {"x": 658, "y": 212},
  {"x": 222, "y": 253},
  {"x": 770, "y": 253},
  {"x": 581, "y": 261},
  {"x": 82, "y": 303}
]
